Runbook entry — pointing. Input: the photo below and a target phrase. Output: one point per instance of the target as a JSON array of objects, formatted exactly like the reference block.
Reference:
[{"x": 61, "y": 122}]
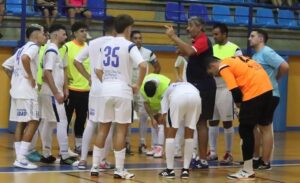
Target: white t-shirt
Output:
[
  {"x": 117, "y": 58},
  {"x": 93, "y": 51},
  {"x": 149, "y": 57},
  {"x": 20, "y": 86},
  {"x": 9, "y": 63},
  {"x": 181, "y": 61},
  {"x": 178, "y": 89},
  {"x": 52, "y": 61}
]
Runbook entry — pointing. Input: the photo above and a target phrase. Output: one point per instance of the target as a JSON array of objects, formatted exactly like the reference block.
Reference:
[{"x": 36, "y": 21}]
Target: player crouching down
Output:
[{"x": 181, "y": 103}]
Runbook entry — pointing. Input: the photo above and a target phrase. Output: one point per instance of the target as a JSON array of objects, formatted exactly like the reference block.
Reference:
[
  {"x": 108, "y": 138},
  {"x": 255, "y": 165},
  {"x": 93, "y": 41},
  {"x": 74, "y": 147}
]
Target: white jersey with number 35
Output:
[{"x": 117, "y": 59}]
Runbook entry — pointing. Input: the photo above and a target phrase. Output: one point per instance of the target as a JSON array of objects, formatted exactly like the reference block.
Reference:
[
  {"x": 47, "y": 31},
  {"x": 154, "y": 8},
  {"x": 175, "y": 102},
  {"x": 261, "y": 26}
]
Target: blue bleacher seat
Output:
[
  {"x": 286, "y": 18},
  {"x": 97, "y": 7},
  {"x": 222, "y": 14},
  {"x": 265, "y": 17},
  {"x": 241, "y": 15},
  {"x": 14, "y": 7},
  {"x": 61, "y": 7},
  {"x": 175, "y": 12},
  {"x": 199, "y": 11}
]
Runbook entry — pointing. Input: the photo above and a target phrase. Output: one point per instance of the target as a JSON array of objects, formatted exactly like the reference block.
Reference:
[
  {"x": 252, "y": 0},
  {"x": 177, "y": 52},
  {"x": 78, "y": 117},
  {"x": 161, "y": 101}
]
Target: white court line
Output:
[{"x": 136, "y": 169}]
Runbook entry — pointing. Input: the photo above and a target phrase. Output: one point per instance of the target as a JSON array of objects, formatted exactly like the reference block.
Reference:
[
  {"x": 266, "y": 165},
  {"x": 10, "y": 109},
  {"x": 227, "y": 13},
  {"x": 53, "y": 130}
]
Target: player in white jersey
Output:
[
  {"x": 114, "y": 69},
  {"x": 180, "y": 105},
  {"x": 92, "y": 51},
  {"x": 138, "y": 102},
  {"x": 24, "y": 94},
  {"x": 54, "y": 91},
  {"x": 224, "y": 107}
]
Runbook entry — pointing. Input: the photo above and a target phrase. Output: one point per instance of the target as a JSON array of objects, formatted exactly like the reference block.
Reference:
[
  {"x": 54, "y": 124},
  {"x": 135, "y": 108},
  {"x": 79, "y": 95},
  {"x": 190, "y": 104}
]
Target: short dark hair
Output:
[
  {"x": 150, "y": 88},
  {"x": 262, "y": 33},
  {"x": 32, "y": 28},
  {"x": 56, "y": 27},
  {"x": 108, "y": 24},
  {"x": 134, "y": 32},
  {"x": 223, "y": 28},
  {"x": 78, "y": 25},
  {"x": 122, "y": 22}
]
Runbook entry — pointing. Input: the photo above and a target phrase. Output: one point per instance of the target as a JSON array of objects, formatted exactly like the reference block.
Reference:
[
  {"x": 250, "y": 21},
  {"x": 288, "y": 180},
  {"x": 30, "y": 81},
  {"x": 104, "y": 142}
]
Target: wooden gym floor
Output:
[{"x": 286, "y": 166}]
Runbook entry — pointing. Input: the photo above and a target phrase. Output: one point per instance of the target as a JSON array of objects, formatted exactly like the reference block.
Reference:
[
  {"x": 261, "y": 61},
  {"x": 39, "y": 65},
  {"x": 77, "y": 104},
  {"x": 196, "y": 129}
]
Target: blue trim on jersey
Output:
[
  {"x": 51, "y": 50},
  {"x": 54, "y": 108},
  {"x": 130, "y": 47}
]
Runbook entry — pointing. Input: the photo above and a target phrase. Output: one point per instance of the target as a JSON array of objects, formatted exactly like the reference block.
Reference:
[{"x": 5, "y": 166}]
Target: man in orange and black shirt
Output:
[{"x": 252, "y": 91}]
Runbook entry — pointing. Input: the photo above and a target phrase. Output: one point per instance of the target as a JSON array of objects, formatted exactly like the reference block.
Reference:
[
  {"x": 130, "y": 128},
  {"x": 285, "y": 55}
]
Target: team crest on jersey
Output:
[{"x": 21, "y": 112}]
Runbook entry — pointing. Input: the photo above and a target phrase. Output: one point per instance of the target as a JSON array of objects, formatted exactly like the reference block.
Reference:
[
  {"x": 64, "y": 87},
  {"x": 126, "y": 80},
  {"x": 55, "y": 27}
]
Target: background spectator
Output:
[
  {"x": 78, "y": 7},
  {"x": 49, "y": 10}
]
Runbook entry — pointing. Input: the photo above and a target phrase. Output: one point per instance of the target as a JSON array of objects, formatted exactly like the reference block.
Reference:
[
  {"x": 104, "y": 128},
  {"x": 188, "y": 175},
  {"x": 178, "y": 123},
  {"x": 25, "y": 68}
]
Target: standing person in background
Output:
[
  {"x": 138, "y": 102},
  {"x": 78, "y": 85},
  {"x": 24, "y": 93},
  {"x": 276, "y": 67},
  {"x": 2, "y": 10},
  {"x": 197, "y": 75},
  {"x": 224, "y": 103},
  {"x": 49, "y": 10}
]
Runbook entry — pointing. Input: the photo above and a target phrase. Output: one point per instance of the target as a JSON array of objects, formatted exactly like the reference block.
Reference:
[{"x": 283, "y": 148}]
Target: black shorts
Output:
[
  {"x": 81, "y": 13},
  {"x": 50, "y": 9},
  {"x": 258, "y": 110},
  {"x": 207, "y": 89}
]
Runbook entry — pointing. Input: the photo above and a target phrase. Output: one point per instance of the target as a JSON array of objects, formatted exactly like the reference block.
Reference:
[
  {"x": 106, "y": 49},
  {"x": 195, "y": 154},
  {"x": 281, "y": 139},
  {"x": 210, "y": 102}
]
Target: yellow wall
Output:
[
  {"x": 4, "y": 91},
  {"x": 293, "y": 98}
]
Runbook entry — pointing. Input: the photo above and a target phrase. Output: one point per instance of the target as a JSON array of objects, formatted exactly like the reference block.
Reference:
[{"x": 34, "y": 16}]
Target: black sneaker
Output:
[
  {"x": 49, "y": 160},
  {"x": 128, "y": 149},
  {"x": 167, "y": 173},
  {"x": 257, "y": 163},
  {"x": 185, "y": 174},
  {"x": 68, "y": 161},
  {"x": 142, "y": 149},
  {"x": 265, "y": 166}
]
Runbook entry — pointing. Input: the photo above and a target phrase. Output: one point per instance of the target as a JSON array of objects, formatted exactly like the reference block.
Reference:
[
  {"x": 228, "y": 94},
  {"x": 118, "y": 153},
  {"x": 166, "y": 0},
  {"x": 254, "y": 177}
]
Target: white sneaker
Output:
[
  {"x": 151, "y": 152},
  {"x": 242, "y": 175},
  {"x": 72, "y": 154},
  {"x": 24, "y": 163},
  {"x": 158, "y": 152},
  {"x": 94, "y": 171},
  {"x": 123, "y": 174}
]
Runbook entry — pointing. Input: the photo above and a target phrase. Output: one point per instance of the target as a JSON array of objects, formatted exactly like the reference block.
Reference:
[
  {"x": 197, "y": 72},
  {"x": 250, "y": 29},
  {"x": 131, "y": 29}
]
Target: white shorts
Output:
[
  {"x": 51, "y": 110},
  {"x": 184, "y": 111},
  {"x": 115, "y": 109},
  {"x": 223, "y": 105},
  {"x": 24, "y": 110},
  {"x": 94, "y": 109}
]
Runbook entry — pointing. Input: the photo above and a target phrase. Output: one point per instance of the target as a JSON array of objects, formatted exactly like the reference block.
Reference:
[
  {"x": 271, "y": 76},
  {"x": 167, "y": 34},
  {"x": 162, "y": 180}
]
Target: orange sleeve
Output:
[{"x": 228, "y": 78}]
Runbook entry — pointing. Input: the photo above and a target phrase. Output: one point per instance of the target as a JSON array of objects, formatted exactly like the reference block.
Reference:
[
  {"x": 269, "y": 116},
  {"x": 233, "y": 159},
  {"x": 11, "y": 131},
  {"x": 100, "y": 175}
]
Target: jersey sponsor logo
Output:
[{"x": 21, "y": 112}]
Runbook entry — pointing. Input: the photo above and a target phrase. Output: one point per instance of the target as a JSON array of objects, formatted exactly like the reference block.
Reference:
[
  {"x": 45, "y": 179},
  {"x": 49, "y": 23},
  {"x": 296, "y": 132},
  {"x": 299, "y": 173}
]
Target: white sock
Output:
[
  {"x": 78, "y": 142},
  {"x": 228, "y": 136},
  {"x": 188, "y": 152},
  {"x": 98, "y": 154},
  {"x": 17, "y": 148},
  {"x": 143, "y": 126},
  {"x": 86, "y": 139},
  {"x": 24, "y": 147},
  {"x": 248, "y": 166},
  {"x": 179, "y": 138},
  {"x": 170, "y": 147},
  {"x": 62, "y": 138},
  {"x": 108, "y": 141},
  {"x": 213, "y": 133},
  {"x": 154, "y": 136},
  {"x": 46, "y": 136},
  {"x": 195, "y": 144},
  {"x": 161, "y": 135},
  {"x": 120, "y": 158}
]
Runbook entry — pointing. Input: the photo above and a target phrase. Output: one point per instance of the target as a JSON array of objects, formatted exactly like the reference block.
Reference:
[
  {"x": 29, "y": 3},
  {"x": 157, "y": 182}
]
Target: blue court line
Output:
[{"x": 134, "y": 166}]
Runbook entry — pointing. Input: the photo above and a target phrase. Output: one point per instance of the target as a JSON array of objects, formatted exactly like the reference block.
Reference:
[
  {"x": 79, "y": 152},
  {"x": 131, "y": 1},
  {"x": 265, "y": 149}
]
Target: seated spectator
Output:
[
  {"x": 49, "y": 10},
  {"x": 1, "y": 14},
  {"x": 289, "y": 3},
  {"x": 78, "y": 7}
]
